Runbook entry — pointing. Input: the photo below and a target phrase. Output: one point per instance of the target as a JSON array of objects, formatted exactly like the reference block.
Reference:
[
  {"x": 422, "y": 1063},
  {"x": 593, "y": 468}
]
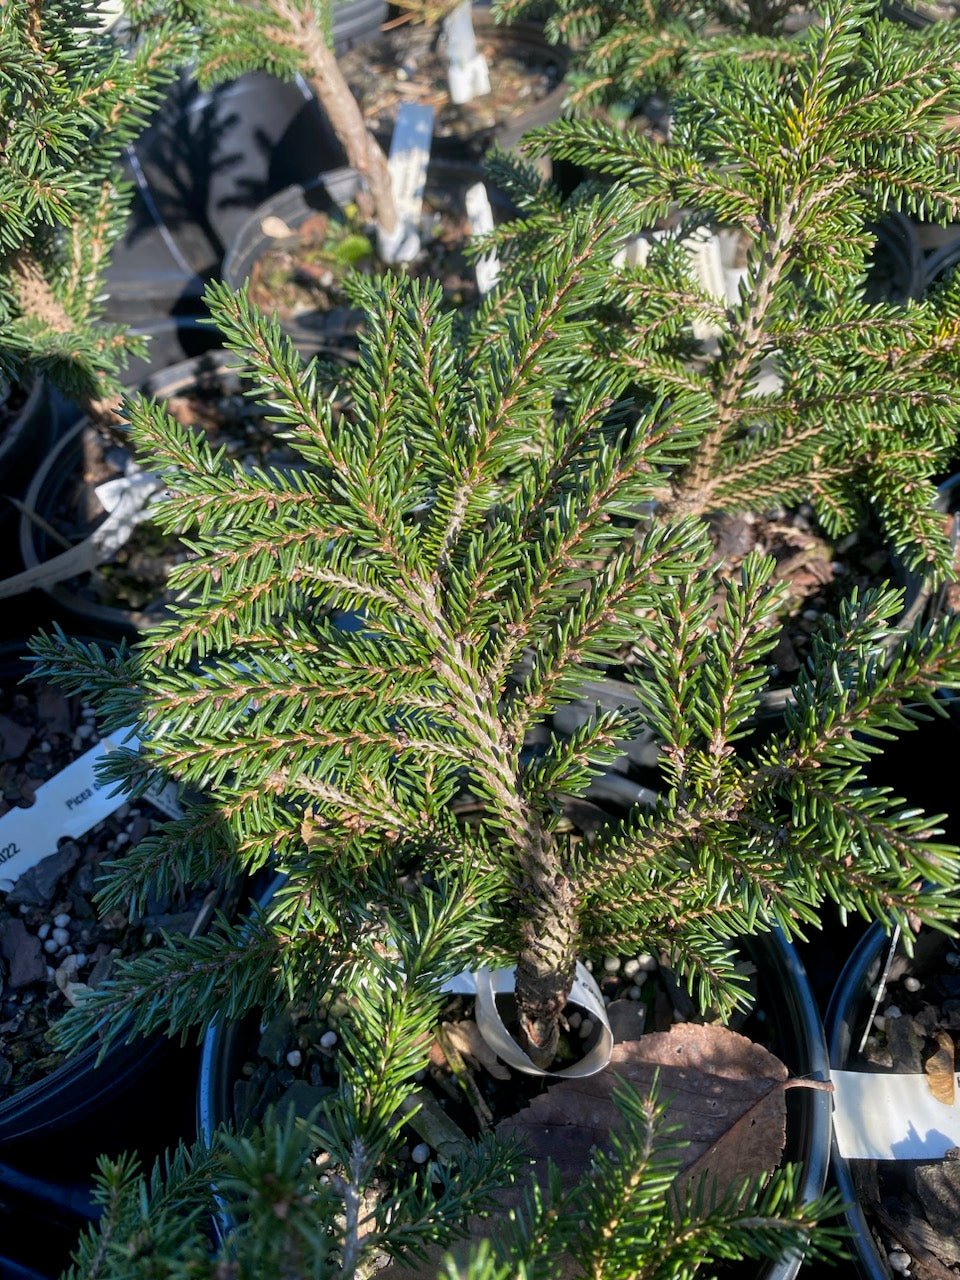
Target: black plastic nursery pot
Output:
[
  {"x": 27, "y": 430},
  {"x": 846, "y": 1016},
  {"x": 58, "y": 485},
  {"x": 78, "y": 1089},
  {"x": 207, "y": 159},
  {"x": 447, "y": 183},
  {"x": 786, "y": 1020}
]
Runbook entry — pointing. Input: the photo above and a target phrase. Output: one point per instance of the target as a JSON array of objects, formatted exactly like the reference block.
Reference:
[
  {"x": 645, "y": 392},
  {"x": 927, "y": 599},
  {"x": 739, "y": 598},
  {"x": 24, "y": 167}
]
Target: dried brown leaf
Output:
[
  {"x": 940, "y": 1069},
  {"x": 725, "y": 1095}
]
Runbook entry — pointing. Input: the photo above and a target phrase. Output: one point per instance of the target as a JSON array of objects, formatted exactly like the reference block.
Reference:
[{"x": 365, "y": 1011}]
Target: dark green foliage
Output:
[
  {"x": 71, "y": 98},
  {"x": 289, "y": 1220},
  {"x": 467, "y": 519},
  {"x": 625, "y": 50},
  {"x": 798, "y": 161}
]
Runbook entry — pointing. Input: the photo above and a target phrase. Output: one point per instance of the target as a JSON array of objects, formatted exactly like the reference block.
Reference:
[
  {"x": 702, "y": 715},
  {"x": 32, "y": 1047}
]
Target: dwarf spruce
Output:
[
  {"x": 71, "y": 98},
  {"x": 482, "y": 539},
  {"x": 798, "y": 157}
]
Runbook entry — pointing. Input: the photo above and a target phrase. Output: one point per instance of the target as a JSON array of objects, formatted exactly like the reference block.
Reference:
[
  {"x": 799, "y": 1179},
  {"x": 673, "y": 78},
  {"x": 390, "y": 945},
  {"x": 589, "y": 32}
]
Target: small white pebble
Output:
[
  {"x": 87, "y": 713},
  {"x": 81, "y": 959},
  {"x": 76, "y": 742},
  {"x": 611, "y": 963},
  {"x": 328, "y": 1040},
  {"x": 810, "y": 615},
  {"x": 631, "y": 967},
  {"x": 61, "y": 937},
  {"x": 574, "y": 1021},
  {"x": 123, "y": 837},
  {"x": 588, "y": 965},
  {"x": 84, "y": 731},
  {"x": 294, "y": 1058},
  {"x": 62, "y": 920},
  {"x": 880, "y": 1022},
  {"x": 635, "y": 992},
  {"x": 899, "y": 1261},
  {"x": 892, "y": 1011},
  {"x": 586, "y": 1028},
  {"x": 69, "y": 966},
  {"x": 46, "y": 748},
  {"x": 648, "y": 963},
  {"x": 24, "y": 908},
  {"x": 51, "y": 973},
  {"x": 911, "y": 984},
  {"x": 50, "y": 946},
  {"x": 43, "y": 931},
  {"x": 420, "y": 1153}
]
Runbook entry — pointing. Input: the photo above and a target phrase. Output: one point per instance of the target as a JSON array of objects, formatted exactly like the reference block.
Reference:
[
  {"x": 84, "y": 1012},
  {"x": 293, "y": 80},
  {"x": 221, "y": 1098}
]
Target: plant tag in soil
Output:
[
  {"x": 487, "y": 984},
  {"x": 68, "y": 804},
  {"x": 468, "y": 75},
  {"x": 409, "y": 154},
  {"x": 885, "y": 1116},
  {"x": 481, "y": 222}
]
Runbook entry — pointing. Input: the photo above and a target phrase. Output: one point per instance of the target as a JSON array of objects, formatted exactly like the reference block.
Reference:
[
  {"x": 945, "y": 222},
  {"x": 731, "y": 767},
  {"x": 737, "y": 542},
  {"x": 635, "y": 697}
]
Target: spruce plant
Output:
[
  {"x": 369, "y": 637},
  {"x": 465, "y": 519},
  {"x": 799, "y": 158},
  {"x": 288, "y": 1220},
  {"x": 625, "y": 50},
  {"x": 71, "y": 98}
]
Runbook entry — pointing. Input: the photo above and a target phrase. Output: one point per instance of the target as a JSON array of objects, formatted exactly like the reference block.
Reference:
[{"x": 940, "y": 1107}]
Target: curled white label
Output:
[{"x": 487, "y": 984}]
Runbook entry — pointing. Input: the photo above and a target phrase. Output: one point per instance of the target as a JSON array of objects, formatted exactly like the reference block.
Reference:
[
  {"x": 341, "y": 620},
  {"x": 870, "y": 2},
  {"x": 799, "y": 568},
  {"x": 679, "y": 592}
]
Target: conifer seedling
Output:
[
  {"x": 797, "y": 156},
  {"x": 368, "y": 638},
  {"x": 463, "y": 519},
  {"x": 71, "y": 98}
]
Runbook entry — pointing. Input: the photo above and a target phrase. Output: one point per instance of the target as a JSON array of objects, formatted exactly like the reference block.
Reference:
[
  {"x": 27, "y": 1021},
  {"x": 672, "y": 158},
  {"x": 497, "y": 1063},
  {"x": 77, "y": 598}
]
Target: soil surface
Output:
[
  {"x": 53, "y": 945},
  {"x": 408, "y": 65},
  {"x": 914, "y": 1206},
  {"x": 300, "y": 276}
]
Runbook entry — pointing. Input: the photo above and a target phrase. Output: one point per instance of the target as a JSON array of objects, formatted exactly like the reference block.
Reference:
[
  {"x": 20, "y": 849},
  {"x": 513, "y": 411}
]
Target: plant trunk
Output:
[
  {"x": 545, "y": 967},
  {"x": 342, "y": 110}
]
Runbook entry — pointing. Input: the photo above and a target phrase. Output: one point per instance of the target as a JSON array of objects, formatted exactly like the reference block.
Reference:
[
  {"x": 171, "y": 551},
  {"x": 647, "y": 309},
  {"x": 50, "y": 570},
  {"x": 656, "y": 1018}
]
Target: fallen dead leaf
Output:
[
  {"x": 941, "y": 1079},
  {"x": 275, "y": 228},
  {"x": 725, "y": 1095}
]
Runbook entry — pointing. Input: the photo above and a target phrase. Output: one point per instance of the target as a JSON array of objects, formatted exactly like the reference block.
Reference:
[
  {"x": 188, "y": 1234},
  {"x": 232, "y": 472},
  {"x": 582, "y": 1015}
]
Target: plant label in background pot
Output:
[
  {"x": 409, "y": 155},
  {"x": 467, "y": 72},
  {"x": 882, "y": 1116},
  {"x": 480, "y": 215}
]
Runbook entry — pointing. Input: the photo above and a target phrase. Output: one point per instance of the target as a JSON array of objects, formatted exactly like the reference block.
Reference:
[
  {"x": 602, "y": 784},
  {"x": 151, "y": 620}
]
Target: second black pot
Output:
[{"x": 786, "y": 1019}]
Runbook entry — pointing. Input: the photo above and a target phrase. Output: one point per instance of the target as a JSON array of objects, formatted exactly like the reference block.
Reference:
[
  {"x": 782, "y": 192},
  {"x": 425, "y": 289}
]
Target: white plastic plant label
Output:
[
  {"x": 468, "y": 75},
  {"x": 487, "y": 984},
  {"x": 879, "y": 1116},
  {"x": 409, "y": 155},
  {"x": 69, "y": 804},
  {"x": 480, "y": 216}
]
